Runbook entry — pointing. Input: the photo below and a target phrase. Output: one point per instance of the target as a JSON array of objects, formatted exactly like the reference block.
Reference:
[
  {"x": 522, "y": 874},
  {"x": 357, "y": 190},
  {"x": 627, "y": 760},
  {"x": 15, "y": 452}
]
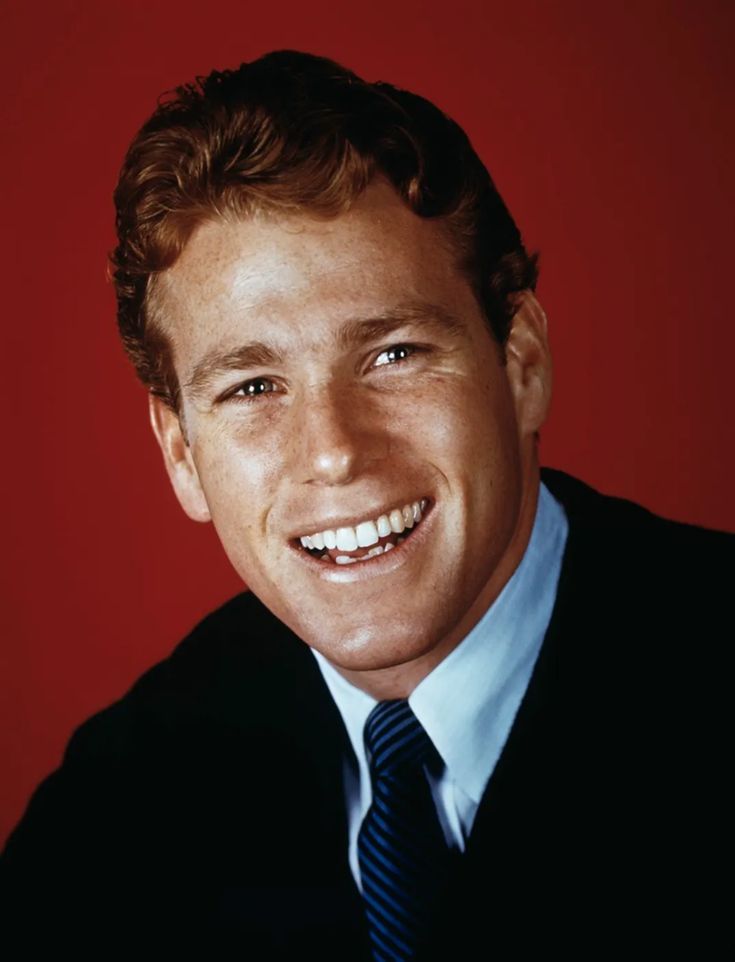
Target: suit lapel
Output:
[
  {"x": 286, "y": 868},
  {"x": 521, "y": 831}
]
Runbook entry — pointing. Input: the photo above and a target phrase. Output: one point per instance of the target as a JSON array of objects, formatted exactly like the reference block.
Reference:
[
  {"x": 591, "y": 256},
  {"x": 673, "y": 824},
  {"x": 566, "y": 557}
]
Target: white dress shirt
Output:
[{"x": 468, "y": 702}]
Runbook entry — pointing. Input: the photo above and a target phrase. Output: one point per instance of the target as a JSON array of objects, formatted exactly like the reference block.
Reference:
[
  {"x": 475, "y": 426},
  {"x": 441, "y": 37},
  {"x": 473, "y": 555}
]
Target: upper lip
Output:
[{"x": 332, "y": 522}]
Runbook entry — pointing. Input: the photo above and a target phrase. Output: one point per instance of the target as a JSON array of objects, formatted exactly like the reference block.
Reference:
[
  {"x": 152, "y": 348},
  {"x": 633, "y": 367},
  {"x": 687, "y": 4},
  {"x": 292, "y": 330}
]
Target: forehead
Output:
[{"x": 297, "y": 278}]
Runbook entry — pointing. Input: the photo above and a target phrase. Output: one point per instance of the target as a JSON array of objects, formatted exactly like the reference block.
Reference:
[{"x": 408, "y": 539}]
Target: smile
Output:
[{"x": 367, "y": 539}]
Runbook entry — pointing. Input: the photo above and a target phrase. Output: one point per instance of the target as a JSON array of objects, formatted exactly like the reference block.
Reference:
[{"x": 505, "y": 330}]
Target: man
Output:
[{"x": 466, "y": 707}]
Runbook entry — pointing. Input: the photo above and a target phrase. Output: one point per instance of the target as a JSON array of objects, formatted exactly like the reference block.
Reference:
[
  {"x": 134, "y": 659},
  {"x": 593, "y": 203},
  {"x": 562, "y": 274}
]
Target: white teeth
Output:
[
  {"x": 344, "y": 559},
  {"x": 383, "y": 525},
  {"x": 346, "y": 539},
  {"x": 389, "y": 547},
  {"x": 367, "y": 534},
  {"x": 396, "y": 521}
]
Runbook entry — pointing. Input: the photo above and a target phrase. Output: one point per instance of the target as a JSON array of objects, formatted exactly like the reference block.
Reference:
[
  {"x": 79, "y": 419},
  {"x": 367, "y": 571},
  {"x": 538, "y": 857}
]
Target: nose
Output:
[{"x": 335, "y": 435}]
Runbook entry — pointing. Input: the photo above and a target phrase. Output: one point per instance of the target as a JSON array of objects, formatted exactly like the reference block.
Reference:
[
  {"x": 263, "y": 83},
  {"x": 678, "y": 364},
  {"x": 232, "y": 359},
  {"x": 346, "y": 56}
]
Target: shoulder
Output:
[
  {"x": 212, "y": 696},
  {"x": 615, "y": 527},
  {"x": 237, "y": 651},
  {"x": 154, "y": 804},
  {"x": 643, "y": 597},
  {"x": 639, "y": 616},
  {"x": 236, "y": 687}
]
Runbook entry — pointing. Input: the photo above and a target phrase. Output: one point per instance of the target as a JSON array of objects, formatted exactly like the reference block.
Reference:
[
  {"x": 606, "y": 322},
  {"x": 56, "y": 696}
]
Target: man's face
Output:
[{"x": 335, "y": 372}]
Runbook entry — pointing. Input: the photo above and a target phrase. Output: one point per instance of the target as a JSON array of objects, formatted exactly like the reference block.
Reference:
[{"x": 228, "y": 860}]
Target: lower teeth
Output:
[{"x": 343, "y": 559}]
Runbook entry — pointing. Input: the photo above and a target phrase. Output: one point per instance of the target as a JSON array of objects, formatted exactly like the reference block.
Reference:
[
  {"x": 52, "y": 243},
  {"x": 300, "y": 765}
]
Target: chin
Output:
[{"x": 371, "y": 649}]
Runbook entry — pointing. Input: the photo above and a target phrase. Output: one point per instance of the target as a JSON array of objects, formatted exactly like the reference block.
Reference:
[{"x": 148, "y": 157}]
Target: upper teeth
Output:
[{"x": 369, "y": 532}]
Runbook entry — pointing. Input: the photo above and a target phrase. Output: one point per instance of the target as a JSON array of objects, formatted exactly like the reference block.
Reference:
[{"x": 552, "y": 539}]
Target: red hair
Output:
[{"x": 291, "y": 132}]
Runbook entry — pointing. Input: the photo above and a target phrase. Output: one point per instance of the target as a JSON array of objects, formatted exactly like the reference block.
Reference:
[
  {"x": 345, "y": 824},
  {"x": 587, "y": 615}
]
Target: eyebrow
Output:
[{"x": 355, "y": 332}]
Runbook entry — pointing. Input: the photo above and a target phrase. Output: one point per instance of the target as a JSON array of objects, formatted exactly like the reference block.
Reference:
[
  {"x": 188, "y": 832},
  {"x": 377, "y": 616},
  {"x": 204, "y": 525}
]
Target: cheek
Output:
[
  {"x": 238, "y": 473},
  {"x": 468, "y": 433},
  {"x": 460, "y": 423}
]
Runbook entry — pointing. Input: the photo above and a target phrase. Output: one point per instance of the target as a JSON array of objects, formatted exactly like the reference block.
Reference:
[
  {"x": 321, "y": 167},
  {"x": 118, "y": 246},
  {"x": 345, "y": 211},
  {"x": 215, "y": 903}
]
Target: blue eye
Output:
[{"x": 399, "y": 352}]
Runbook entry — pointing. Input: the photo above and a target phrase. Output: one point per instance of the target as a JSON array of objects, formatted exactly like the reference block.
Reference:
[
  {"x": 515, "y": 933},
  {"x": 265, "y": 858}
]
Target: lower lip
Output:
[{"x": 376, "y": 566}]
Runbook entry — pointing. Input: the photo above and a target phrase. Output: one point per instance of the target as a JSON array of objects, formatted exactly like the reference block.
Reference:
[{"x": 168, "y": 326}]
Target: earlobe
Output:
[
  {"x": 178, "y": 459},
  {"x": 529, "y": 364}
]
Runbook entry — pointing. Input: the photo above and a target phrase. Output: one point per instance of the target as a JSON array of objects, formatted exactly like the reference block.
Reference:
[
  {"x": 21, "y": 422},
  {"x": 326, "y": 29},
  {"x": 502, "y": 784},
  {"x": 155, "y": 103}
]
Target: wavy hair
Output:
[{"x": 290, "y": 132}]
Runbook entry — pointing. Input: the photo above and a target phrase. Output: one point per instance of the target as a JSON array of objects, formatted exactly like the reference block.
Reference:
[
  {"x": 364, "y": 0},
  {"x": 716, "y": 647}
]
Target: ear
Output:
[
  {"x": 528, "y": 361},
  {"x": 177, "y": 457}
]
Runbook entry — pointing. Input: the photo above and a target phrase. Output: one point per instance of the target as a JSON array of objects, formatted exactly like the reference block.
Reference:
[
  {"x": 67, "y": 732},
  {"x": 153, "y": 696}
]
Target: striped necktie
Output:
[{"x": 402, "y": 852}]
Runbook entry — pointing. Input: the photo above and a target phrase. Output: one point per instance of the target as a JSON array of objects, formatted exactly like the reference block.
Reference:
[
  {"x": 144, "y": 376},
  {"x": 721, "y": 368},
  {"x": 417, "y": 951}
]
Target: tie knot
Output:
[{"x": 395, "y": 738}]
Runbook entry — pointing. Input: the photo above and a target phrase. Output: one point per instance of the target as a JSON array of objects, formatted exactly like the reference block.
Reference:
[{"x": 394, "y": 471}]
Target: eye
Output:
[
  {"x": 251, "y": 389},
  {"x": 399, "y": 352}
]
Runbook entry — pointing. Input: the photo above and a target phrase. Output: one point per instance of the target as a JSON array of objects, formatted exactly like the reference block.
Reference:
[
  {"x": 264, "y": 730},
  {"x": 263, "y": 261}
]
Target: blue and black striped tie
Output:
[{"x": 402, "y": 852}]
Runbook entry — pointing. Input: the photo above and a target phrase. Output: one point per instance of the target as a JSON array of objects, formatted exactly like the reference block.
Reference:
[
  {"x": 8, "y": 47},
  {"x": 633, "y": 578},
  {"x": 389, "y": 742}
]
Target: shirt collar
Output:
[{"x": 467, "y": 703}]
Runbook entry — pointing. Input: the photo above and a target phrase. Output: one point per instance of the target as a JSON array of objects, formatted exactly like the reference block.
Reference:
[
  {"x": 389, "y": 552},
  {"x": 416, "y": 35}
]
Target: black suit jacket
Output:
[{"x": 206, "y": 807}]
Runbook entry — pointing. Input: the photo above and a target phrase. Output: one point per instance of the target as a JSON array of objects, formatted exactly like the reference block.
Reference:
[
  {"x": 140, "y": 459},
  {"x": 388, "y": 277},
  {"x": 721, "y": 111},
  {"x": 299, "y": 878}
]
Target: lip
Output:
[
  {"x": 331, "y": 524},
  {"x": 375, "y": 567}
]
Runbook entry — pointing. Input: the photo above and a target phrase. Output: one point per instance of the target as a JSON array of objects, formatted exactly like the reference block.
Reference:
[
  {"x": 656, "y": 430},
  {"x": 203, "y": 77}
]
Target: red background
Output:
[{"x": 608, "y": 131}]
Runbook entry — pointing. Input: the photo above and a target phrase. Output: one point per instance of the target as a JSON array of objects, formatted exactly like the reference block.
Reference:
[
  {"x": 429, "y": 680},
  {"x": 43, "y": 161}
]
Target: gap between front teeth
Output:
[{"x": 367, "y": 533}]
